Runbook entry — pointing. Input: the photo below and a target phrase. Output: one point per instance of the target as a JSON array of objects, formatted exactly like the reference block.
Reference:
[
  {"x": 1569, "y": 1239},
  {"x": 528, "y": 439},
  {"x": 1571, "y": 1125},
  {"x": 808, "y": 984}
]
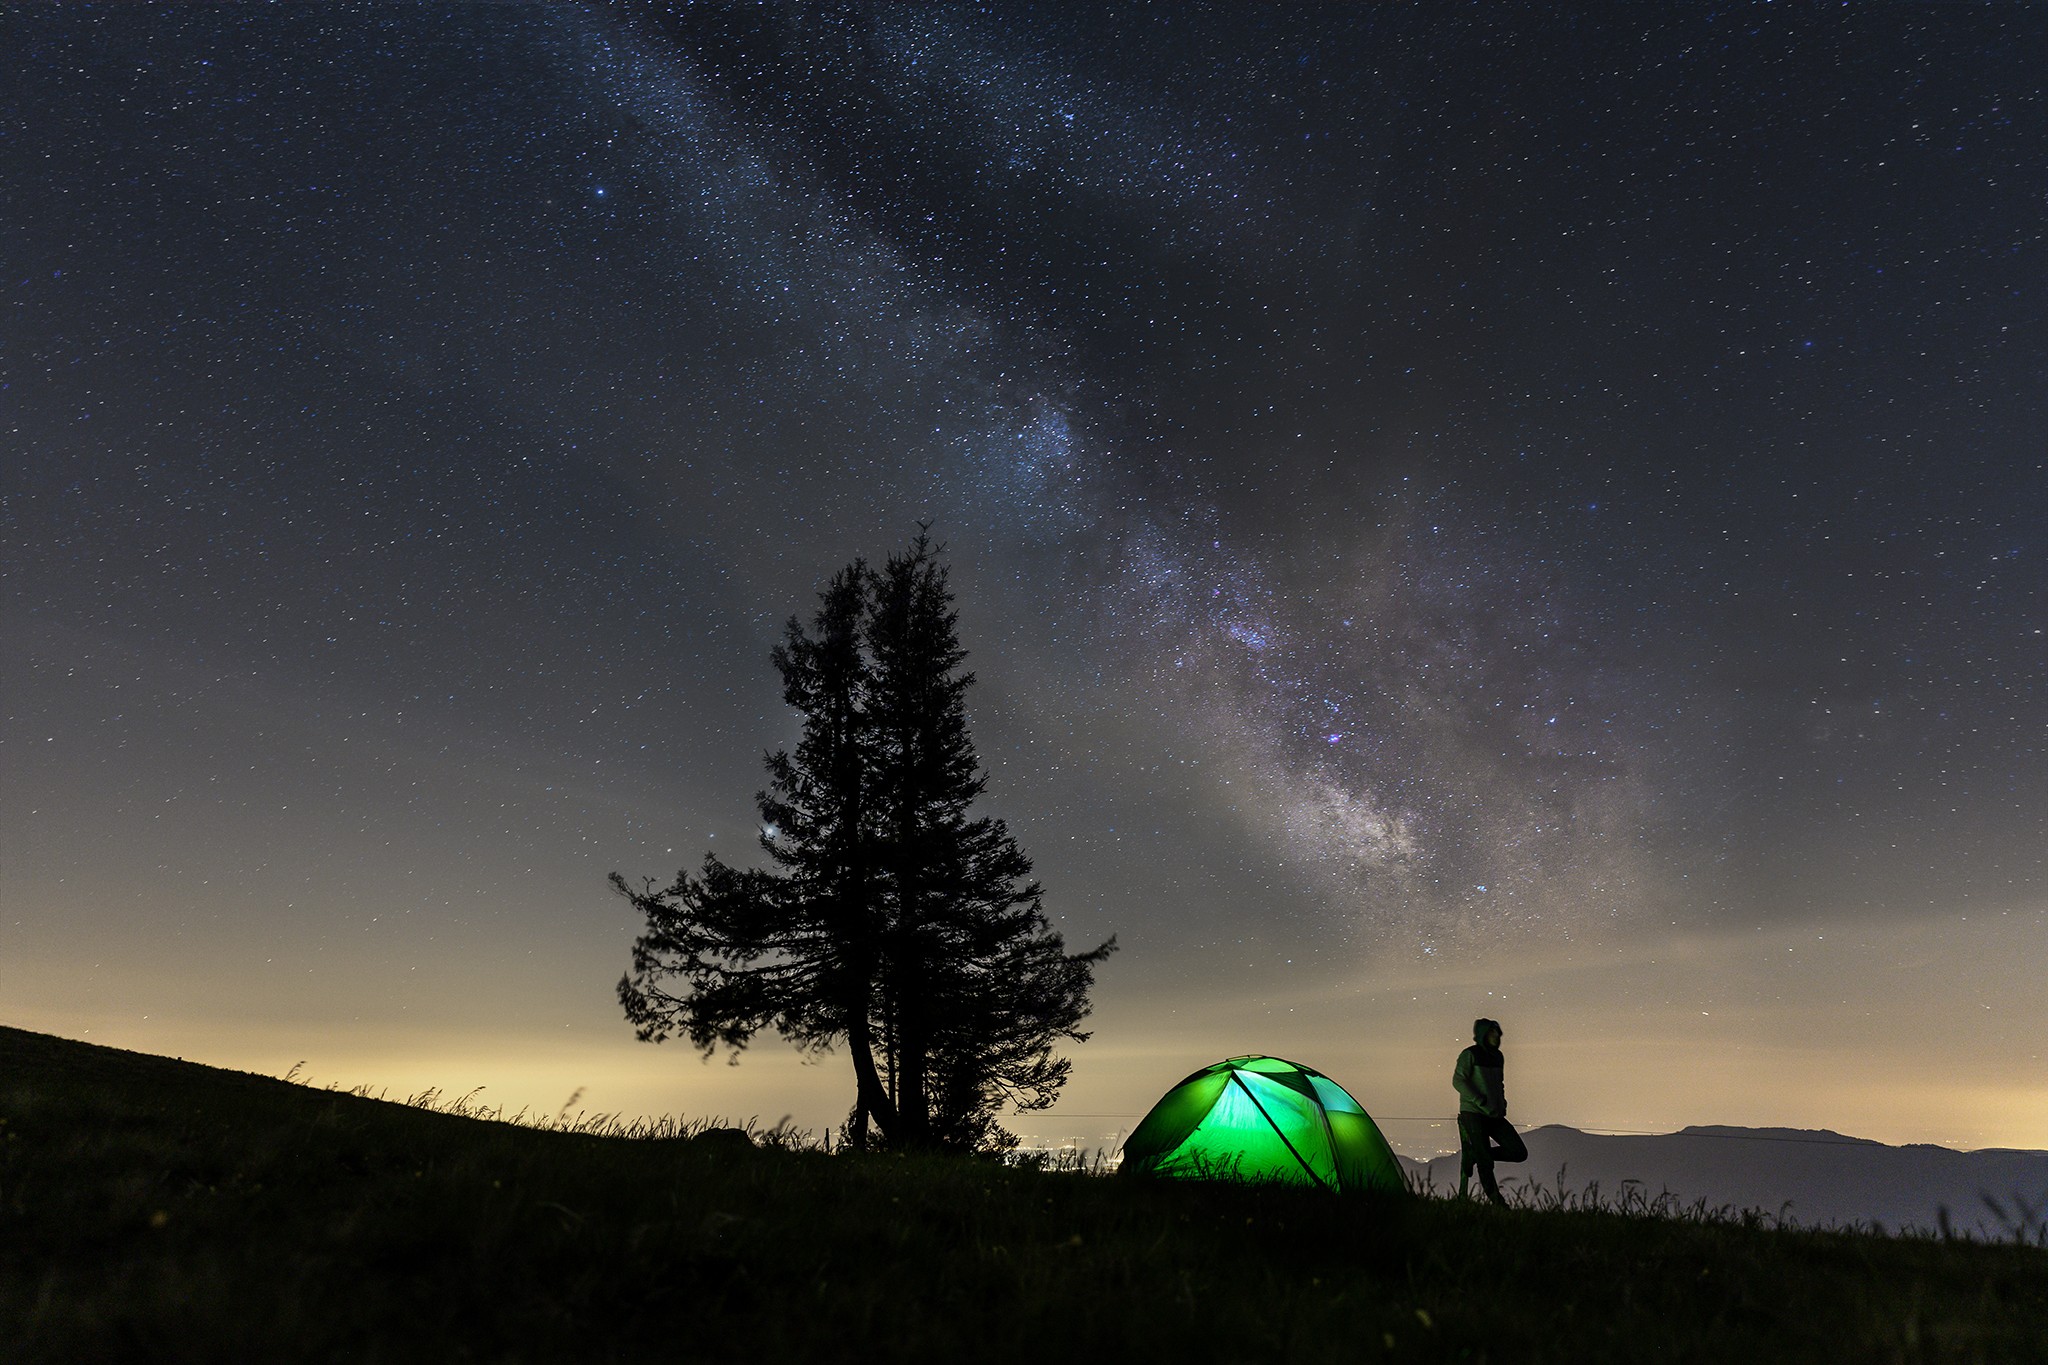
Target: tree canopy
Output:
[{"x": 891, "y": 917}]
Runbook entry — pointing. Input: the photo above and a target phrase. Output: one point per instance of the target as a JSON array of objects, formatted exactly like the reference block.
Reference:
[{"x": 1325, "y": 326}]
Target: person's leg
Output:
[
  {"x": 1486, "y": 1181},
  {"x": 1498, "y": 1141},
  {"x": 1471, "y": 1149}
]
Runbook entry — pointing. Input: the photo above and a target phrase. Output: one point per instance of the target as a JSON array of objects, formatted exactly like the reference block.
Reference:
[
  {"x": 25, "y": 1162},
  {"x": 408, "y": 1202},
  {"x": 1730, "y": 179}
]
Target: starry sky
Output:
[{"x": 1454, "y": 510}]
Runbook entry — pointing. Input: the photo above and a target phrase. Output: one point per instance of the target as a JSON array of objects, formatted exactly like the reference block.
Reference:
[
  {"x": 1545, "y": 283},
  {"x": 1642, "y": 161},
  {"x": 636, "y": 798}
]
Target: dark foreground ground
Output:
[{"x": 161, "y": 1211}]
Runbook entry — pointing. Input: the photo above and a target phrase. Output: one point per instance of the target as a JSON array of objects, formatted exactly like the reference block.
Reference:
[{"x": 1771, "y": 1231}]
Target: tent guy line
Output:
[{"x": 1600, "y": 1132}]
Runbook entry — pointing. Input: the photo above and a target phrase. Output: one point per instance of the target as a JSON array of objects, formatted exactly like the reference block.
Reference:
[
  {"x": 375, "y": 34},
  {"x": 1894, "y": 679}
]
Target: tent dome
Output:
[{"x": 1261, "y": 1118}]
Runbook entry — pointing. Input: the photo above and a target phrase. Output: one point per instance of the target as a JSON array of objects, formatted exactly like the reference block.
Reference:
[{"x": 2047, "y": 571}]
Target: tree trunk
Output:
[
  {"x": 872, "y": 1098},
  {"x": 913, "y": 1046}
]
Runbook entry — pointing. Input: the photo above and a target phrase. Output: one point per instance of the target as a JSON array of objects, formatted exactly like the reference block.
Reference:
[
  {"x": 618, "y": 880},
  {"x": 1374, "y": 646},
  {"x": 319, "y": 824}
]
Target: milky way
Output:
[{"x": 1414, "y": 721}]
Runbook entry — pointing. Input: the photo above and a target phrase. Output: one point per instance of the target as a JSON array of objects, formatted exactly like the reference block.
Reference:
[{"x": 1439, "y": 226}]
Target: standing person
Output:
[{"x": 1484, "y": 1133}]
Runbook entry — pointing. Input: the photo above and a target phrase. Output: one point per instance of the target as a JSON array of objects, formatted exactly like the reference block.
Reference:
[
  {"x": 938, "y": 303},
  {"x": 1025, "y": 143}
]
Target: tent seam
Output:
[{"x": 1330, "y": 1136}]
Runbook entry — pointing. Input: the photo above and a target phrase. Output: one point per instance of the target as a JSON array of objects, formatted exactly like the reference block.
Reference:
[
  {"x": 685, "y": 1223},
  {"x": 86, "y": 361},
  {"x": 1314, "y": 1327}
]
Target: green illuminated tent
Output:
[{"x": 1259, "y": 1118}]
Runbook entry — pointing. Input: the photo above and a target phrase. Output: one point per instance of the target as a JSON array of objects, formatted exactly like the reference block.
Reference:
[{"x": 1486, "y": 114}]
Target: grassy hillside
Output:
[{"x": 156, "y": 1210}]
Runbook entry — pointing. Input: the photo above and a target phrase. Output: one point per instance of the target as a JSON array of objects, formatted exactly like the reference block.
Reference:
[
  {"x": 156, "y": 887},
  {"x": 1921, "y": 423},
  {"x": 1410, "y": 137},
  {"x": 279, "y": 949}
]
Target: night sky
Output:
[{"x": 1454, "y": 510}]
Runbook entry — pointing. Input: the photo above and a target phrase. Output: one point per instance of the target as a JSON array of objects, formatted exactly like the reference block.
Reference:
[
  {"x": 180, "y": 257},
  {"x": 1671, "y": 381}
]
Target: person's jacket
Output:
[{"x": 1479, "y": 1081}]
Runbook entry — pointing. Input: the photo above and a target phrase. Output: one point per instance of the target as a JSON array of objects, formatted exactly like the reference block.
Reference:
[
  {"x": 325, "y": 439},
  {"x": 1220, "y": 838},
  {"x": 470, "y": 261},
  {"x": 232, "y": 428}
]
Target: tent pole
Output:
[{"x": 1239, "y": 1082}]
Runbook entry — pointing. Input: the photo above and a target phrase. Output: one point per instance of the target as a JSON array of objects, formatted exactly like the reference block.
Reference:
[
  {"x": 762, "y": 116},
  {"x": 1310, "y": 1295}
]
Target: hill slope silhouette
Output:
[{"x": 156, "y": 1210}]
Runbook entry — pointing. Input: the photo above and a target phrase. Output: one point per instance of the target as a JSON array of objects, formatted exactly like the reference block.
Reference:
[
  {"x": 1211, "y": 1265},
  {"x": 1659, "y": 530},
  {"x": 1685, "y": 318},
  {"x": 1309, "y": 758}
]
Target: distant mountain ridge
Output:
[{"x": 1813, "y": 1177}]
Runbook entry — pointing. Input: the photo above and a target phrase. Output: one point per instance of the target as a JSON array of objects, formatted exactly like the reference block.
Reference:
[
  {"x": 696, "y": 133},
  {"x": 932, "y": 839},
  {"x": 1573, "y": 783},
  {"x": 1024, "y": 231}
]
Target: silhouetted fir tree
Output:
[
  {"x": 983, "y": 988},
  {"x": 797, "y": 950},
  {"x": 891, "y": 919}
]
